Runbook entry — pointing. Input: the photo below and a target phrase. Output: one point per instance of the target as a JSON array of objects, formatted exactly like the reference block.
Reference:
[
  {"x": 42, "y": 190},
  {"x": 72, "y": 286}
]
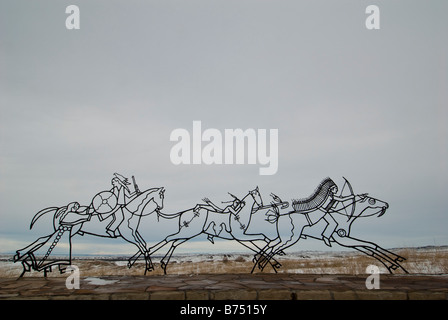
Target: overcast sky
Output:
[{"x": 369, "y": 105}]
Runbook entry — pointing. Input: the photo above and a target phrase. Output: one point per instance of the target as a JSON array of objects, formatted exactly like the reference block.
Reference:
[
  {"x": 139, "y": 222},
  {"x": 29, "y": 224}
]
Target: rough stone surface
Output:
[{"x": 230, "y": 287}]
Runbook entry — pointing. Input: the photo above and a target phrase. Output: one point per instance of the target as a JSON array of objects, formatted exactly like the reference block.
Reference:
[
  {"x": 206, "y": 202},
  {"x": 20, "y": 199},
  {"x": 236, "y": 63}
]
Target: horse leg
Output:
[
  {"x": 293, "y": 239},
  {"x": 374, "y": 254},
  {"x": 248, "y": 240},
  {"x": 137, "y": 236},
  {"x": 371, "y": 249},
  {"x": 272, "y": 244},
  {"x": 395, "y": 258},
  {"x": 191, "y": 224},
  {"x": 149, "y": 264},
  {"x": 26, "y": 268},
  {"x": 294, "y": 226},
  {"x": 158, "y": 246},
  {"x": 176, "y": 241},
  {"x": 130, "y": 235},
  {"x": 133, "y": 224},
  {"x": 164, "y": 262},
  {"x": 263, "y": 256},
  {"x": 257, "y": 249},
  {"x": 133, "y": 259},
  {"x": 31, "y": 247},
  {"x": 152, "y": 249},
  {"x": 258, "y": 254},
  {"x": 166, "y": 259}
]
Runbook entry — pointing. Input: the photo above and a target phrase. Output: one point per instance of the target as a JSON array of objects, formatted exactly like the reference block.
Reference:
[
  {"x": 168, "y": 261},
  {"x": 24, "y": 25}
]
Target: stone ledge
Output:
[{"x": 231, "y": 287}]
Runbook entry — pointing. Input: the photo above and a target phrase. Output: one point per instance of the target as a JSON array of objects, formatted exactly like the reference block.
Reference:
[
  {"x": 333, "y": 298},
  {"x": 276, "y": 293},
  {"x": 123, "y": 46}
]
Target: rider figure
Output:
[
  {"x": 121, "y": 191},
  {"x": 329, "y": 207},
  {"x": 233, "y": 209}
]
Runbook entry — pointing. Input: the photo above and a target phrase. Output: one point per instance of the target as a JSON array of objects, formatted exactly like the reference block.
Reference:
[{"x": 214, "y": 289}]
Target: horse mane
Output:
[
  {"x": 318, "y": 197},
  {"x": 148, "y": 195}
]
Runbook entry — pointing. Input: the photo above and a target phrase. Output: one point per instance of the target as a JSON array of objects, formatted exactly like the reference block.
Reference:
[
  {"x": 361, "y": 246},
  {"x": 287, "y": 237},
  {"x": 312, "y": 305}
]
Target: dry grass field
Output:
[{"x": 428, "y": 260}]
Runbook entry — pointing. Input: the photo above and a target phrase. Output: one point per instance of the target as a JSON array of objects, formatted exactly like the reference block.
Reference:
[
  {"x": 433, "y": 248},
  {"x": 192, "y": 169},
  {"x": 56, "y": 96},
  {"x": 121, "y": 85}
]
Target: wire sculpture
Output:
[{"x": 325, "y": 215}]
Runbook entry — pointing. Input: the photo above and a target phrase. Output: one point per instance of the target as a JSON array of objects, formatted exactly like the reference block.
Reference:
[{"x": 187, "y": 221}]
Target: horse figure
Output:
[
  {"x": 74, "y": 219},
  {"x": 231, "y": 223},
  {"x": 296, "y": 224},
  {"x": 206, "y": 219},
  {"x": 366, "y": 206}
]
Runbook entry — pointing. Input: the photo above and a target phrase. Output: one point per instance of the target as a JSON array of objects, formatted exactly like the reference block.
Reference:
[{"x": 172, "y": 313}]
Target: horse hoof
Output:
[{"x": 163, "y": 265}]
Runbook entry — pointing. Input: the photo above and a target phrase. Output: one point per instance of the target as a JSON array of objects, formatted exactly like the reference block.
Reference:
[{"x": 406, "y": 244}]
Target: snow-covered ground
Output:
[{"x": 426, "y": 260}]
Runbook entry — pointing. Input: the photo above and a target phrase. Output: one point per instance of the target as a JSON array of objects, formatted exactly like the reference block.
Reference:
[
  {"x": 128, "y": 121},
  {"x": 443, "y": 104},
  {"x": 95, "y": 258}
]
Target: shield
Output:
[{"x": 104, "y": 202}]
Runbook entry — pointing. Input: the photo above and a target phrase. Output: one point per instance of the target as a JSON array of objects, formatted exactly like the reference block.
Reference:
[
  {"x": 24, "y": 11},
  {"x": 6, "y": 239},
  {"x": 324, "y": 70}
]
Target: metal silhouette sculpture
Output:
[
  {"x": 230, "y": 223},
  {"x": 325, "y": 215},
  {"x": 328, "y": 217},
  {"x": 109, "y": 209}
]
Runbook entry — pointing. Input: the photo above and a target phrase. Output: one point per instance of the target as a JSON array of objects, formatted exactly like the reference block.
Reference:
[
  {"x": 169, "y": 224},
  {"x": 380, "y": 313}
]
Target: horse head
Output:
[
  {"x": 366, "y": 204},
  {"x": 362, "y": 206},
  {"x": 158, "y": 198},
  {"x": 256, "y": 196}
]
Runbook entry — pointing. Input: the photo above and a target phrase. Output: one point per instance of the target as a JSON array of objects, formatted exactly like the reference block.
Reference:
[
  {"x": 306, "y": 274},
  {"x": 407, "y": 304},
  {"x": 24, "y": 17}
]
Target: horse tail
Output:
[
  {"x": 170, "y": 215},
  {"x": 41, "y": 213}
]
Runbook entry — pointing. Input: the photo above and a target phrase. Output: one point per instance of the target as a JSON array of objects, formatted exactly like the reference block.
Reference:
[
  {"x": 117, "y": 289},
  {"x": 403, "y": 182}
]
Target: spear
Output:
[{"x": 135, "y": 185}]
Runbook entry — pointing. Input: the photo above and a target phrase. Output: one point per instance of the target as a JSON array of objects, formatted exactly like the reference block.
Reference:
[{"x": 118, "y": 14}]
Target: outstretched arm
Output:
[
  {"x": 342, "y": 198},
  {"x": 350, "y": 197},
  {"x": 130, "y": 195}
]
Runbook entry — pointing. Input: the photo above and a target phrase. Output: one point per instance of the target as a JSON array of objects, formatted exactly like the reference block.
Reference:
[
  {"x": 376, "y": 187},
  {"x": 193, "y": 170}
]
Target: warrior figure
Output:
[
  {"x": 234, "y": 208},
  {"x": 123, "y": 194},
  {"x": 321, "y": 205}
]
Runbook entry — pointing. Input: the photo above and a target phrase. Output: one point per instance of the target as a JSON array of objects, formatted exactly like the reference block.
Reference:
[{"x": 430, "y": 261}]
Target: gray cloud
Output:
[{"x": 77, "y": 106}]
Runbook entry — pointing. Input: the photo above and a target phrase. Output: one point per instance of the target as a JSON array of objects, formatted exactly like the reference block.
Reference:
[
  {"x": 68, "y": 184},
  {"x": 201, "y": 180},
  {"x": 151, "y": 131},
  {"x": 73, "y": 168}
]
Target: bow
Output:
[{"x": 353, "y": 200}]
